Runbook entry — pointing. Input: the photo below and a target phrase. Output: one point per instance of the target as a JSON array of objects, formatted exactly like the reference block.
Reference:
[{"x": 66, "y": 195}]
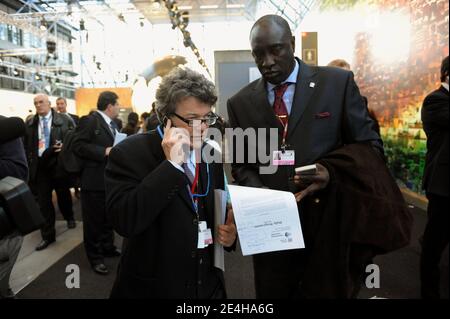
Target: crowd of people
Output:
[{"x": 155, "y": 190}]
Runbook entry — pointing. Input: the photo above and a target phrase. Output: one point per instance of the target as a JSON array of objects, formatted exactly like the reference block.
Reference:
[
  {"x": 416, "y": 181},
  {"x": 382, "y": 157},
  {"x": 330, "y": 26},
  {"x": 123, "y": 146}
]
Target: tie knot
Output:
[
  {"x": 113, "y": 125},
  {"x": 281, "y": 89}
]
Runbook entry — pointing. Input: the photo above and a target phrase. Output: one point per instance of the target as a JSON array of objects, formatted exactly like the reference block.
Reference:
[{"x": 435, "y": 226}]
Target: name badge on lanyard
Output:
[
  {"x": 283, "y": 156},
  {"x": 204, "y": 235}
]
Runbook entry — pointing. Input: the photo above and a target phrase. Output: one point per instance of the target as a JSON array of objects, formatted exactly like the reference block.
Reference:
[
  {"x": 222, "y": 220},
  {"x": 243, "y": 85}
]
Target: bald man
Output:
[
  {"x": 320, "y": 109},
  {"x": 44, "y": 138}
]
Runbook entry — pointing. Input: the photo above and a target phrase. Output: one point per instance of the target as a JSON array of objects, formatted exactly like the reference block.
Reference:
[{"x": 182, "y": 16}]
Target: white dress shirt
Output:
[
  {"x": 108, "y": 121},
  {"x": 41, "y": 135}
]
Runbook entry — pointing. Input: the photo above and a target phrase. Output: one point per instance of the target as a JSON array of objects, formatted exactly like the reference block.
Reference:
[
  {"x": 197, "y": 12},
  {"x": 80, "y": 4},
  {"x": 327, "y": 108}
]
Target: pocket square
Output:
[{"x": 322, "y": 115}]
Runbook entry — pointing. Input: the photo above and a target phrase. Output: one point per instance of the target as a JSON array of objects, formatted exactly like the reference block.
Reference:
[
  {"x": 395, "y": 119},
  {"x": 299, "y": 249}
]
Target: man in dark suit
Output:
[
  {"x": 160, "y": 197},
  {"x": 92, "y": 143},
  {"x": 435, "y": 117},
  {"x": 61, "y": 106},
  {"x": 43, "y": 141},
  {"x": 316, "y": 110}
]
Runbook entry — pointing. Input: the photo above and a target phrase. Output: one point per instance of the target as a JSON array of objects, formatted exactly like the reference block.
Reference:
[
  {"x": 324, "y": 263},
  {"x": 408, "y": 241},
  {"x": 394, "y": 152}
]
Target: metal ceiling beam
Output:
[{"x": 292, "y": 10}]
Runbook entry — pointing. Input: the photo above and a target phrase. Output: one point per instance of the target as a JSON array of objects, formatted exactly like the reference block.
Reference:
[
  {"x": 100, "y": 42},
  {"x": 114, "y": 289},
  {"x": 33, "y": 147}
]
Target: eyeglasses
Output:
[{"x": 209, "y": 120}]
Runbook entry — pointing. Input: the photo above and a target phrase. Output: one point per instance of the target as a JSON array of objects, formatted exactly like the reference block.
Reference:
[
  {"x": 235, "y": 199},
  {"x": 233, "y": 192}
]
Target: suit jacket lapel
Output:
[
  {"x": 203, "y": 180},
  {"x": 105, "y": 126},
  {"x": 303, "y": 94},
  {"x": 265, "y": 110},
  {"x": 186, "y": 196}
]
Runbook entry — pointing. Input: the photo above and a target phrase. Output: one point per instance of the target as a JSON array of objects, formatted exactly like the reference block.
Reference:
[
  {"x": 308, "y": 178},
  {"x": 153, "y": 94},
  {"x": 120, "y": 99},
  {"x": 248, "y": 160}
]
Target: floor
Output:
[{"x": 44, "y": 274}]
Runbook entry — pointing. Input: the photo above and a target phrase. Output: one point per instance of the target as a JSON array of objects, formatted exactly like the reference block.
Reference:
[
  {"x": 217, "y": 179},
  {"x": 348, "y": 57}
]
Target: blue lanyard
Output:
[{"x": 193, "y": 196}]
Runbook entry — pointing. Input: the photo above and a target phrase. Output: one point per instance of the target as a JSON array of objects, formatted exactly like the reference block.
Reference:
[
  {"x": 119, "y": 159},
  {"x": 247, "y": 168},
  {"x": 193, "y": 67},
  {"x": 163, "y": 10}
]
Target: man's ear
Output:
[{"x": 293, "y": 43}]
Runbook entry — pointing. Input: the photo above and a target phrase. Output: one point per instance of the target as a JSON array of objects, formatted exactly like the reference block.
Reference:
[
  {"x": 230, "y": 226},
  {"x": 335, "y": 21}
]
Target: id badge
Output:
[
  {"x": 281, "y": 158},
  {"x": 41, "y": 147},
  {"x": 207, "y": 236}
]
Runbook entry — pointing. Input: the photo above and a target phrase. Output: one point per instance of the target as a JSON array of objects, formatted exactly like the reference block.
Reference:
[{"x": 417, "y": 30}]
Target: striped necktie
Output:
[{"x": 278, "y": 105}]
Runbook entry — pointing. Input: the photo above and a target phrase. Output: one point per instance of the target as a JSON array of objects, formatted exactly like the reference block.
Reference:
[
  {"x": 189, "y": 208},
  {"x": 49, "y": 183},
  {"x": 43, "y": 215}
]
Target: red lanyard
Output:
[
  {"x": 285, "y": 129},
  {"x": 195, "y": 182}
]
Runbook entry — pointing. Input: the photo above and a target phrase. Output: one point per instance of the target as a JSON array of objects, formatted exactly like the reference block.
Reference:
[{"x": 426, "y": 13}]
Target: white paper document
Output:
[
  {"x": 266, "y": 220},
  {"x": 220, "y": 208},
  {"x": 119, "y": 138}
]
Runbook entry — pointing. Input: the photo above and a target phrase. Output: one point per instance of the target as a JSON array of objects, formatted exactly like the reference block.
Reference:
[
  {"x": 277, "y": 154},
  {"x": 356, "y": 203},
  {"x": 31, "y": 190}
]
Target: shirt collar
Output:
[
  {"x": 105, "y": 117},
  {"x": 445, "y": 85},
  {"x": 48, "y": 116},
  {"x": 292, "y": 78}
]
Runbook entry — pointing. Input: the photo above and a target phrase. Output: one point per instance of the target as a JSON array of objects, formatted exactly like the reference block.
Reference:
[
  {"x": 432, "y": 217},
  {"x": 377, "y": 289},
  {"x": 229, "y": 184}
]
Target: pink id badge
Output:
[{"x": 281, "y": 158}]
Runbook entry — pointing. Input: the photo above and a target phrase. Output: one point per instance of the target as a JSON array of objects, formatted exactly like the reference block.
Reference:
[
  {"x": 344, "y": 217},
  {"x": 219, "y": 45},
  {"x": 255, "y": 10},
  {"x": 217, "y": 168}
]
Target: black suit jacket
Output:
[
  {"x": 435, "y": 111},
  {"x": 75, "y": 118},
  {"x": 149, "y": 204},
  {"x": 13, "y": 161},
  {"x": 327, "y": 113},
  {"x": 92, "y": 138},
  {"x": 60, "y": 126}
]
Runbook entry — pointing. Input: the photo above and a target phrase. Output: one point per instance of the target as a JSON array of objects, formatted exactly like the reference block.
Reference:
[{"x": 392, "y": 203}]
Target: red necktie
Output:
[{"x": 278, "y": 105}]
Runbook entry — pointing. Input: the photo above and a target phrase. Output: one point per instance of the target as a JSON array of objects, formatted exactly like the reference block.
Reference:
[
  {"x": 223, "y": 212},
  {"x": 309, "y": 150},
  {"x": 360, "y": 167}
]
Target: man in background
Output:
[
  {"x": 61, "y": 106},
  {"x": 44, "y": 138},
  {"x": 93, "y": 141},
  {"x": 435, "y": 116}
]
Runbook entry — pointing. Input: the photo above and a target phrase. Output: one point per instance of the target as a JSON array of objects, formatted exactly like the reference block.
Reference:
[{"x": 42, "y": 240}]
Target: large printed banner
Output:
[{"x": 396, "y": 70}]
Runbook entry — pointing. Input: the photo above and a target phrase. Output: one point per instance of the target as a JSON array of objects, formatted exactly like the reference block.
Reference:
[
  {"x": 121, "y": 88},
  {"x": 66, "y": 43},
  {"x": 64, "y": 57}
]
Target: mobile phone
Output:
[
  {"x": 306, "y": 170},
  {"x": 164, "y": 120}
]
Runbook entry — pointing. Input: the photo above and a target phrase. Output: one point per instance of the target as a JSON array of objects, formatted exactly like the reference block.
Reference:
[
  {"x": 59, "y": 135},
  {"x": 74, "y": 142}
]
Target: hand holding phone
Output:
[
  {"x": 57, "y": 146},
  {"x": 176, "y": 143}
]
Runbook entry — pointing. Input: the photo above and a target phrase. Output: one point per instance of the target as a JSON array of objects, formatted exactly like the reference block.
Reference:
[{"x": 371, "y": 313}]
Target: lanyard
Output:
[
  {"x": 193, "y": 189},
  {"x": 285, "y": 130}
]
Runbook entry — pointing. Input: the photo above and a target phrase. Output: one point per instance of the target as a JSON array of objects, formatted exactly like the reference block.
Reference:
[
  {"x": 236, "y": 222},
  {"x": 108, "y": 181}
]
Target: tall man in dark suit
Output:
[
  {"x": 316, "y": 110},
  {"x": 93, "y": 142},
  {"x": 435, "y": 111},
  {"x": 160, "y": 196},
  {"x": 43, "y": 141}
]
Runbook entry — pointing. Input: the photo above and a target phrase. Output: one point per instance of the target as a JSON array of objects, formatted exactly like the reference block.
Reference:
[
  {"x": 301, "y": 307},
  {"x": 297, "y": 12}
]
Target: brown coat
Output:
[{"x": 363, "y": 214}]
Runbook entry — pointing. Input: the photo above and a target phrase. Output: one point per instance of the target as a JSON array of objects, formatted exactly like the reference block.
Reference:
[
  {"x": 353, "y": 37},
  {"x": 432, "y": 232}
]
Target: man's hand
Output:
[
  {"x": 57, "y": 147},
  {"x": 227, "y": 233},
  {"x": 107, "y": 151},
  {"x": 315, "y": 182},
  {"x": 176, "y": 143}
]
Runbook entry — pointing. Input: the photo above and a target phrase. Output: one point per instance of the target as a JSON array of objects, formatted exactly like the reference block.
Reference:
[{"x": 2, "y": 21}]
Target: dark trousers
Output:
[
  {"x": 97, "y": 231},
  {"x": 44, "y": 189},
  {"x": 435, "y": 239}
]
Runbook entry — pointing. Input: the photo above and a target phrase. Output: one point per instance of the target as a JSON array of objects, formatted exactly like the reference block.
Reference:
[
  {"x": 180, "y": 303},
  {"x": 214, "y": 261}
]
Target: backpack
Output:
[{"x": 67, "y": 158}]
